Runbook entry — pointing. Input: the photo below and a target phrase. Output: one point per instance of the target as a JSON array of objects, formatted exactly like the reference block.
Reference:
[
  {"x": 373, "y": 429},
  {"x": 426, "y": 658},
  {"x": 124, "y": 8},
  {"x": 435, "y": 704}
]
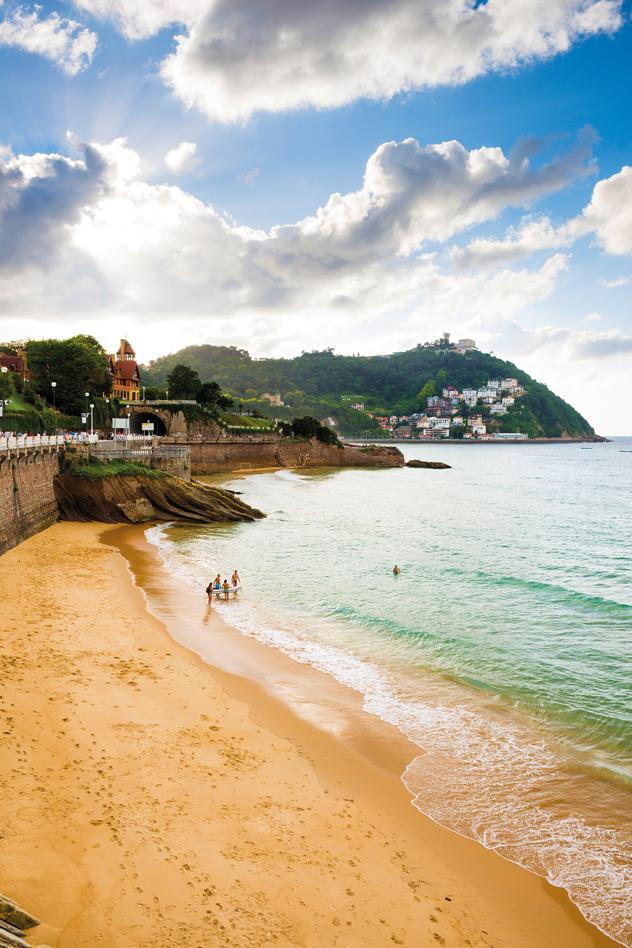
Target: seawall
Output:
[
  {"x": 27, "y": 495},
  {"x": 213, "y": 457}
]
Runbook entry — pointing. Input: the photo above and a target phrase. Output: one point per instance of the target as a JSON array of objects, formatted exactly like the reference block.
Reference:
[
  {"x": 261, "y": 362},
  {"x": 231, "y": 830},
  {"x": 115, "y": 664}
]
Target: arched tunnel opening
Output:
[{"x": 139, "y": 418}]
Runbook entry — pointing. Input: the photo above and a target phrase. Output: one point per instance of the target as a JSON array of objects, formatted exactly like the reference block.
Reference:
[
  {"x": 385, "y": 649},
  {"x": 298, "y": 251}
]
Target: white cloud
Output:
[
  {"x": 614, "y": 284},
  {"x": 41, "y": 197},
  {"x": 249, "y": 177},
  {"x": 182, "y": 159},
  {"x": 65, "y": 42},
  {"x": 609, "y": 214},
  {"x": 140, "y": 19},
  {"x": 156, "y": 251},
  {"x": 235, "y": 57},
  {"x": 533, "y": 234},
  {"x": 581, "y": 345},
  {"x": 594, "y": 318}
]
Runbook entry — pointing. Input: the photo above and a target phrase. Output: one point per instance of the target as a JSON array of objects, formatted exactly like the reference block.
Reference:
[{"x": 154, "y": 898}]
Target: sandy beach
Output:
[{"x": 148, "y": 798}]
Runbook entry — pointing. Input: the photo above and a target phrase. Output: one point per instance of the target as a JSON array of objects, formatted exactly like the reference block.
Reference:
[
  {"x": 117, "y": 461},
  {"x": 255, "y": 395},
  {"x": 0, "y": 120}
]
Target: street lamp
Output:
[
  {"x": 91, "y": 420},
  {"x": 3, "y": 401},
  {"x": 53, "y": 385}
]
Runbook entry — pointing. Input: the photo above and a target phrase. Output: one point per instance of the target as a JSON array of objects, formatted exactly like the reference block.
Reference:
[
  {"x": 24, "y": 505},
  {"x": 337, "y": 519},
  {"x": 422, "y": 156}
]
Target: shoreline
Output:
[
  {"x": 597, "y": 439},
  {"x": 133, "y": 759}
]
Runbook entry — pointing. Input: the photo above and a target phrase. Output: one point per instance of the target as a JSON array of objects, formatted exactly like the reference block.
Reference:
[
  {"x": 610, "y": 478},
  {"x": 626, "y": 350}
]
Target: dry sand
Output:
[{"x": 147, "y": 799}]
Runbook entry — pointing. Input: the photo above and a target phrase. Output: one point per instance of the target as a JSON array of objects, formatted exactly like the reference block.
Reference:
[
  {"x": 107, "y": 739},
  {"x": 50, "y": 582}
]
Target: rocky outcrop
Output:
[
  {"x": 125, "y": 498},
  {"x": 247, "y": 455},
  {"x": 435, "y": 465},
  {"x": 14, "y": 924}
]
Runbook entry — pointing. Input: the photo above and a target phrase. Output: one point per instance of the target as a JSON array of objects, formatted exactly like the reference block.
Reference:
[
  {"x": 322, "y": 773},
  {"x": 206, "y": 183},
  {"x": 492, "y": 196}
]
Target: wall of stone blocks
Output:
[{"x": 27, "y": 496}]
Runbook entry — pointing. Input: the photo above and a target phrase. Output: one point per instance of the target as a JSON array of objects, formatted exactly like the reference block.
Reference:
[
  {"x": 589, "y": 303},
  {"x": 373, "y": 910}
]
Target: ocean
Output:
[{"x": 503, "y": 650}]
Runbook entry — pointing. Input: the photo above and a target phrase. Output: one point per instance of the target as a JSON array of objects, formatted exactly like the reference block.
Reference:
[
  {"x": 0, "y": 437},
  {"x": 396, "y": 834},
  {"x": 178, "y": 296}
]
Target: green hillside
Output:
[{"x": 325, "y": 385}]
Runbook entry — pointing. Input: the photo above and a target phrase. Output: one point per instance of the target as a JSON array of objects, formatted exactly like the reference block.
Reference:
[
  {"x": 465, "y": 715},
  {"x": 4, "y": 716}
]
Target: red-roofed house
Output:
[{"x": 125, "y": 374}]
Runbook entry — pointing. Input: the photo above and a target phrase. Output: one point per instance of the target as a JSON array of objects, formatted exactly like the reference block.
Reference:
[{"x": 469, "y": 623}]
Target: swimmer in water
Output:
[{"x": 396, "y": 570}]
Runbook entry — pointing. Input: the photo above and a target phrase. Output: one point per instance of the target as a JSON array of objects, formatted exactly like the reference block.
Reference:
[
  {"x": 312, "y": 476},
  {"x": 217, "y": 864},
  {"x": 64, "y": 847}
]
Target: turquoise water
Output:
[{"x": 503, "y": 650}]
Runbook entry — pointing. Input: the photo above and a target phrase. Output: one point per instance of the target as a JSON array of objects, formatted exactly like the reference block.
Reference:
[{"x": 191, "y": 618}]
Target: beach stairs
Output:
[{"x": 14, "y": 924}]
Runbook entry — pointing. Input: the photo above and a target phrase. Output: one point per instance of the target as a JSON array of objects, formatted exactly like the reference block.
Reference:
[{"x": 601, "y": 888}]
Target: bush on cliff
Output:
[
  {"x": 307, "y": 428},
  {"x": 96, "y": 470}
]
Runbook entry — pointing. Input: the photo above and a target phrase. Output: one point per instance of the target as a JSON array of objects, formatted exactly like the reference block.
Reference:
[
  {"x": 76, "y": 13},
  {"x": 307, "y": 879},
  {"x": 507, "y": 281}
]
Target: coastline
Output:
[
  {"x": 162, "y": 797},
  {"x": 596, "y": 439}
]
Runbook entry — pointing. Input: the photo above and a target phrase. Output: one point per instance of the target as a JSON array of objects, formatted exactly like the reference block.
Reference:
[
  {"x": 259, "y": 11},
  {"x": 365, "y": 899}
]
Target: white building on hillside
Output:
[{"x": 465, "y": 345}]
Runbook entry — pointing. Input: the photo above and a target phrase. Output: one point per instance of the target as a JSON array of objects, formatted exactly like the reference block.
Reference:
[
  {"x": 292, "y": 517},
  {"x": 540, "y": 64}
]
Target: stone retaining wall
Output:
[
  {"x": 27, "y": 496},
  {"x": 242, "y": 455}
]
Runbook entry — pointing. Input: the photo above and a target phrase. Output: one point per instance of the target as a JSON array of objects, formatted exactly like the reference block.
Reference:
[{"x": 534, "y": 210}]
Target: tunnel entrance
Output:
[{"x": 139, "y": 418}]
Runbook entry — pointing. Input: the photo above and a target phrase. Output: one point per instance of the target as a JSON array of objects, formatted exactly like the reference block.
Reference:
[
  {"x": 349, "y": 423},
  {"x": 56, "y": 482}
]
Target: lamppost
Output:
[
  {"x": 91, "y": 420},
  {"x": 3, "y": 401},
  {"x": 53, "y": 385}
]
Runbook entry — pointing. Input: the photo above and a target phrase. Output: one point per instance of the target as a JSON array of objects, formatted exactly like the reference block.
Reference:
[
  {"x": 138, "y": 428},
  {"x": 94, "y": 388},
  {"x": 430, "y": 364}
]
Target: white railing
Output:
[{"x": 13, "y": 442}]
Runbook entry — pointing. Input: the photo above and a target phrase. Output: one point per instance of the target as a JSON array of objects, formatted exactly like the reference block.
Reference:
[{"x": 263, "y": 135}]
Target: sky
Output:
[{"x": 357, "y": 174}]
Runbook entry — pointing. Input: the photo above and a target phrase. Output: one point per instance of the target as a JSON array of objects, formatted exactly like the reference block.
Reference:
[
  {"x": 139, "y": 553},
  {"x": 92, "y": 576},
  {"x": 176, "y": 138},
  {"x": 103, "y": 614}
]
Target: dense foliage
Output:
[
  {"x": 325, "y": 385},
  {"x": 77, "y": 365},
  {"x": 33, "y": 422},
  {"x": 307, "y": 428}
]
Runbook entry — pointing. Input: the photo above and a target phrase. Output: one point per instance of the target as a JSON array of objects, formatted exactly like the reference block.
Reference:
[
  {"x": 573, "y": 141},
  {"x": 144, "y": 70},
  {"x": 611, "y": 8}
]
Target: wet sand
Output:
[{"x": 149, "y": 798}]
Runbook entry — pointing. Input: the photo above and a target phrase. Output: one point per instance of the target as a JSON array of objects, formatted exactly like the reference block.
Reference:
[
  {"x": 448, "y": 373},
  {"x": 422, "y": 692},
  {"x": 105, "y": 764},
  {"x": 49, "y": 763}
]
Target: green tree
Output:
[
  {"x": 183, "y": 382},
  {"x": 210, "y": 394},
  {"x": 78, "y": 365},
  {"x": 428, "y": 390},
  {"x": 6, "y": 385}
]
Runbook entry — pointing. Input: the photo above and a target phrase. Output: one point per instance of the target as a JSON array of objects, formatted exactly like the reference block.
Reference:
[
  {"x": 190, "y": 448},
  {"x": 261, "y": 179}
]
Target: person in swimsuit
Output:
[
  {"x": 235, "y": 578},
  {"x": 226, "y": 588},
  {"x": 209, "y": 592},
  {"x": 396, "y": 570},
  {"x": 217, "y": 585}
]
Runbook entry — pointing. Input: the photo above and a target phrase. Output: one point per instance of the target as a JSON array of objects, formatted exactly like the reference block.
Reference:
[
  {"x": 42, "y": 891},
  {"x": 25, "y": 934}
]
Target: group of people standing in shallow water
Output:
[{"x": 218, "y": 588}]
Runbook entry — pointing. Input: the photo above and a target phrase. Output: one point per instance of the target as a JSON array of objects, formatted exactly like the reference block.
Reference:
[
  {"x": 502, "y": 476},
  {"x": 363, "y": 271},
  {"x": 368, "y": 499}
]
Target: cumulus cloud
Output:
[
  {"x": 140, "y": 19},
  {"x": 533, "y": 234},
  {"x": 615, "y": 284},
  {"x": 581, "y": 346},
  {"x": 609, "y": 214},
  {"x": 182, "y": 159},
  {"x": 65, "y": 42},
  {"x": 41, "y": 197},
  {"x": 157, "y": 249},
  {"x": 234, "y": 57}
]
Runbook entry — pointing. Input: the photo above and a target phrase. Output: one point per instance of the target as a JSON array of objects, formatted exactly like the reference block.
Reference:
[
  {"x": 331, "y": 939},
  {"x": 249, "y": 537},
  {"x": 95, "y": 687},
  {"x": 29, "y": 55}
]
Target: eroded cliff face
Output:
[
  {"x": 212, "y": 458},
  {"x": 125, "y": 498}
]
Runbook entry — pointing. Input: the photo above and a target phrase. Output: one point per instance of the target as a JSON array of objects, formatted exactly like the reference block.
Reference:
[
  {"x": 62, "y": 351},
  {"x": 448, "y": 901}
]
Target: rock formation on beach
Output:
[
  {"x": 246, "y": 454},
  {"x": 14, "y": 924},
  {"x": 138, "y": 498},
  {"x": 435, "y": 465}
]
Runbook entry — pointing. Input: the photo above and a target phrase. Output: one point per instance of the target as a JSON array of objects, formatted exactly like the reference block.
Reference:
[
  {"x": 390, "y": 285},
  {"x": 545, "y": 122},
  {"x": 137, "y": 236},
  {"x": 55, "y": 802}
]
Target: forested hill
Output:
[{"x": 325, "y": 384}]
